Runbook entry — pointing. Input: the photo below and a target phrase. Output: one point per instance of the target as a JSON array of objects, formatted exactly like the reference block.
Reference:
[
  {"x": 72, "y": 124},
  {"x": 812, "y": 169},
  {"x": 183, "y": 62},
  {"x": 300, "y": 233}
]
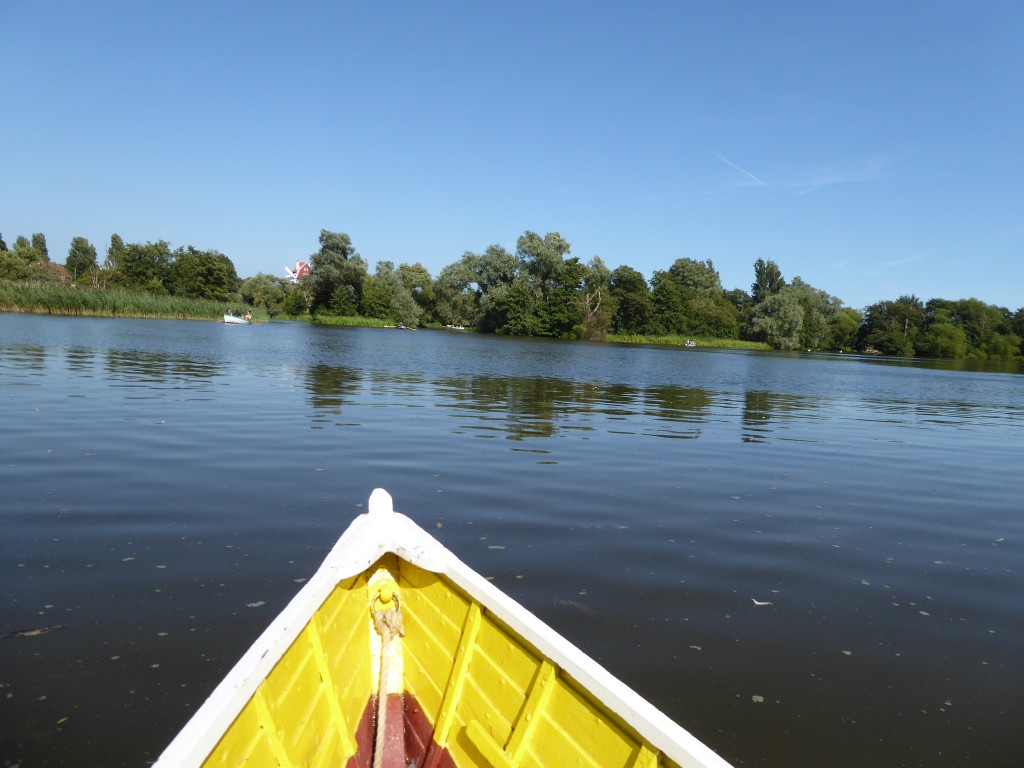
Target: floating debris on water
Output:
[
  {"x": 32, "y": 632},
  {"x": 257, "y": 604}
]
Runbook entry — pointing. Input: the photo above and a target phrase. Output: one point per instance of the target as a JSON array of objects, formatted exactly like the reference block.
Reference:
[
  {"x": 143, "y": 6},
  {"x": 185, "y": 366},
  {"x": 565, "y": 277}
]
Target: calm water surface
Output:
[{"x": 165, "y": 487}]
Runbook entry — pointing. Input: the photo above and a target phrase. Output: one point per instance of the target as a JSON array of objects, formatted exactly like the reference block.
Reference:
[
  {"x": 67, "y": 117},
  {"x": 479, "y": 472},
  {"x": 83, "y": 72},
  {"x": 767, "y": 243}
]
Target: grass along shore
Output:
[
  {"x": 62, "y": 299},
  {"x": 680, "y": 341}
]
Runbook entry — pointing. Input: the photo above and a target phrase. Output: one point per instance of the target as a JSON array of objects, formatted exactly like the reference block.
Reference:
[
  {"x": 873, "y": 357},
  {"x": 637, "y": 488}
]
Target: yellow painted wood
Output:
[
  {"x": 457, "y": 682},
  {"x": 268, "y": 725},
  {"x": 536, "y": 702},
  {"x": 488, "y": 747},
  {"x": 495, "y": 701},
  {"x": 346, "y": 744},
  {"x": 645, "y": 758},
  {"x": 574, "y": 725},
  {"x": 306, "y": 710}
]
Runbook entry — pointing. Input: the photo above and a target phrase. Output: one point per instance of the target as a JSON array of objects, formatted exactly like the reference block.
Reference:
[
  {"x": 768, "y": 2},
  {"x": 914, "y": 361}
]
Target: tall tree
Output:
[
  {"x": 387, "y": 298},
  {"x": 420, "y": 286},
  {"x": 143, "y": 267},
  {"x": 29, "y": 251},
  {"x": 891, "y": 327},
  {"x": 338, "y": 274},
  {"x": 689, "y": 300},
  {"x": 267, "y": 291},
  {"x": 116, "y": 253},
  {"x": 39, "y": 244},
  {"x": 454, "y": 299},
  {"x": 202, "y": 275},
  {"x": 542, "y": 257},
  {"x": 634, "y": 310},
  {"x": 768, "y": 280},
  {"x": 778, "y": 320},
  {"x": 81, "y": 257}
]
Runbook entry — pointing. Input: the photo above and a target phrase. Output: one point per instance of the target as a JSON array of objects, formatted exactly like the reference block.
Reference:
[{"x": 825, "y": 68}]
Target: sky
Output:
[{"x": 873, "y": 149}]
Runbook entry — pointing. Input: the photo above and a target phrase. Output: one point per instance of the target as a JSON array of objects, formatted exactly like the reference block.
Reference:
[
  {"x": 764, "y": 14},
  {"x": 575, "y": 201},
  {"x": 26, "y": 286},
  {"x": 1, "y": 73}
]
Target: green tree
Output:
[
  {"x": 696, "y": 278},
  {"x": 141, "y": 267},
  {"x": 689, "y": 301},
  {"x": 892, "y": 327},
  {"x": 512, "y": 309},
  {"x": 28, "y": 251},
  {"x": 202, "y": 275},
  {"x": 943, "y": 336},
  {"x": 598, "y": 303},
  {"x": 268, "y": 291},
  {"x": 338, "y": 274},
  {"x": 542, "y": 257},
  {"x": 16, "y": 264},
  {"x": 495, "y": 271},
  {"x": 387, "y": 298},
  {"x": 563, "y": 313},
  {"x": 81, "y": 258},
  {"x": 778, "y": 320},
  {"x": 420, "y": 286},
  {"x": 493, "y": 268},
  {"x": 819, "y": 310},
  {"x": 768, "y": 280},
  {"x": 116, "y": 253},
  {"x": 634, "y": 310},
  {"x": 454, "y": 298},
  {"x": 39, "y": 245},
  {"x": 843, "y": 329}
]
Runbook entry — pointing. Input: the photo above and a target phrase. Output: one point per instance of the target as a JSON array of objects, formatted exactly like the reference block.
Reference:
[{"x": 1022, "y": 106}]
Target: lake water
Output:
[{"x": 165, "y": 488}]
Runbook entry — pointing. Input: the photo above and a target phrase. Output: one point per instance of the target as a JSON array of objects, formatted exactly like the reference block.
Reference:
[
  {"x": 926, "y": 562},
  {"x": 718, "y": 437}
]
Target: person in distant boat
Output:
[{"x": 248, "y": 315}]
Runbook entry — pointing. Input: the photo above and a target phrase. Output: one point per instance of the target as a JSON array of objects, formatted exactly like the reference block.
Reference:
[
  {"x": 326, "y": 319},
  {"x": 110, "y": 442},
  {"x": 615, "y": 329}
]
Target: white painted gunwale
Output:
[{"x": 370, "y": 536}]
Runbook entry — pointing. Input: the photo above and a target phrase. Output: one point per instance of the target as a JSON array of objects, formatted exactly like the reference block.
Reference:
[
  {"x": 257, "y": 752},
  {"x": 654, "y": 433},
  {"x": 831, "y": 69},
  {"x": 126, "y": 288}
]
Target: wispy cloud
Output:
[
  {"x": 806, "y": 181},
  {"x": 908, "y": 260},
  {"x": 857, "y": 172},
  {"x": 895, "y": 263},
  {"x": 744, "y": 171}
]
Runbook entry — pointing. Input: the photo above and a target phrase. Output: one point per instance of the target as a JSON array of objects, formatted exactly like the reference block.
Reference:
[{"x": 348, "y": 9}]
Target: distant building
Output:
[{"x": 299, "y": 271}]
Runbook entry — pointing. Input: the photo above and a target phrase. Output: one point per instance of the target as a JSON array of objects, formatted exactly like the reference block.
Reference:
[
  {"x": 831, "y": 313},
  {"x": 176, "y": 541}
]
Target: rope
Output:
[{"x": 388, "y": 623}]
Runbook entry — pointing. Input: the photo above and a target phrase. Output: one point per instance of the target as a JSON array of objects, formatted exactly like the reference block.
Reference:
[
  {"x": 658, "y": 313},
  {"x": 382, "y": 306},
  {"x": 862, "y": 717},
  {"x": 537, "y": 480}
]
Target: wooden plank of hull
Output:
[{"x": 485, "y": 682}]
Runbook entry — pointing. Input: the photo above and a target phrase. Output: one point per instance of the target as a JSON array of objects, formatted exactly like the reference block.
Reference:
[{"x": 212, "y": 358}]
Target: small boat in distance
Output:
[
  {"x": 233, "y": 319},
  {"x": 396, "y": 653}
]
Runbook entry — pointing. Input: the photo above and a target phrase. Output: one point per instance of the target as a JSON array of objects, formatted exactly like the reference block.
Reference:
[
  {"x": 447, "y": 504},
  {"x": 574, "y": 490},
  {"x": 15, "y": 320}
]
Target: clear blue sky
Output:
[{"x": 871, "y": 148}]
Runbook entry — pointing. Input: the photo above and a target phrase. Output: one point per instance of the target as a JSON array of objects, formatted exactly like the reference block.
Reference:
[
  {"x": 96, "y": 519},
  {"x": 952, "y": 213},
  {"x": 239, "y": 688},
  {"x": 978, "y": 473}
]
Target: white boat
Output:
[
  {"x": 236, "y": 320},
  {"x": 396, "y": 653}
]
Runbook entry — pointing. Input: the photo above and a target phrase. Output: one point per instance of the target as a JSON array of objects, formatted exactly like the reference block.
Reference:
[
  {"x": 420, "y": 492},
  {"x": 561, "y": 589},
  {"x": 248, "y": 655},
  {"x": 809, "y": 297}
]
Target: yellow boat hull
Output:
[{"x": 468, "y": 678}]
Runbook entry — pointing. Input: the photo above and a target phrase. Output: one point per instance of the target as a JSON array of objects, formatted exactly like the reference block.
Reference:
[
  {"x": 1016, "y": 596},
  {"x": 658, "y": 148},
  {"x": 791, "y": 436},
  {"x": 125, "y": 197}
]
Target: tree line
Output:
[
  {"x": 147, "y": 267},
  {"x": 543, "y": 290}
]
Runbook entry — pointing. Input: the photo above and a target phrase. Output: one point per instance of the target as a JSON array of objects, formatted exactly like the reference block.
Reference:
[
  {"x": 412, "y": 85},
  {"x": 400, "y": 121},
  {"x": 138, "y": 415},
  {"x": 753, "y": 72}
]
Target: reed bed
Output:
[
  {"x": 62, "y": 299},
  {"x": 352, "y": 321},
  {"x": 680, "y": 341}
]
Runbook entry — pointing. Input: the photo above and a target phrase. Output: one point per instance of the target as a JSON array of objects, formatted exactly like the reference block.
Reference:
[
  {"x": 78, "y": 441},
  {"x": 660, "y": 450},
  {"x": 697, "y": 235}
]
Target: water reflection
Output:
[
  {"x": 19, "y": 357},
  {"x": 79, "y": 359},
  {"x": 136, "y": 367},
  {"x": 330, "y": 385},
  {"x": 762, "y": 412},
  {"x": 523, "y": 407}
]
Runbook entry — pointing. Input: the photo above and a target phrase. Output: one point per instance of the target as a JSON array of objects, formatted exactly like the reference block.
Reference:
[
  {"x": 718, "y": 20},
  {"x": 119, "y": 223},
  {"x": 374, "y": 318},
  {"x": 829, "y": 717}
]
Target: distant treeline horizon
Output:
[{"x": 542, "y": 290}]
